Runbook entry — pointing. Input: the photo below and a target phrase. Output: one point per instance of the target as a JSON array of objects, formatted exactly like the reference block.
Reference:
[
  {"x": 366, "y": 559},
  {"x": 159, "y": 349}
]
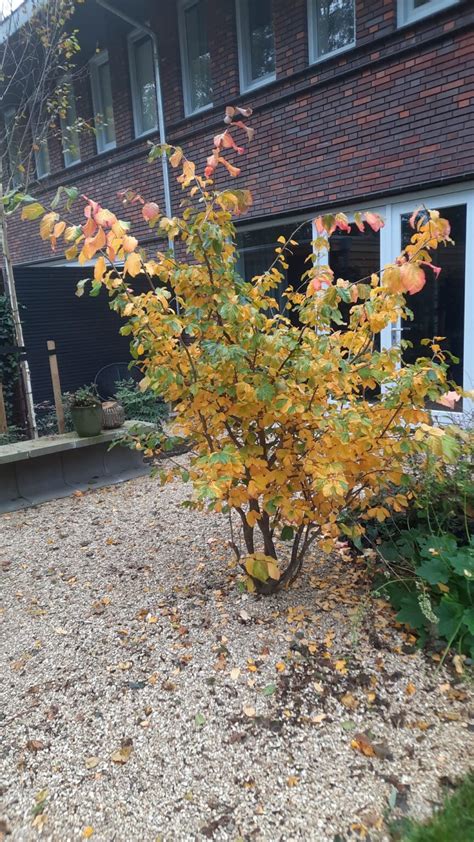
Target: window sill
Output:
[
  {"x": 415, "y": 17},
  {"x": 198, "y": 111},
  {"x": 257, "y": 84},
  {"x": 109, "y": 148},
  {"x": 140, "y": 135},
  {"x": 333, "y": 54}
]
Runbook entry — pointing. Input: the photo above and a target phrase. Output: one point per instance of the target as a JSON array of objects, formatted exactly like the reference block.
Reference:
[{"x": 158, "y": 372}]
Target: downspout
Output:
[{"x": 159, "y": 98}]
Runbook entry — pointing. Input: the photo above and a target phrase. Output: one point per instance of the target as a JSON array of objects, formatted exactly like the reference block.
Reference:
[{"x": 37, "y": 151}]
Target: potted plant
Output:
[{"x": 86, "y": 412}]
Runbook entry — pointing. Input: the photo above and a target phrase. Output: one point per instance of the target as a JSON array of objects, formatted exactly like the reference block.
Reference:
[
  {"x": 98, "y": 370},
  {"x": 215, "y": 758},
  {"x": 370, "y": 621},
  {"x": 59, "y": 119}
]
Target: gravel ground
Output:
[{"x": 144, "y": 697}]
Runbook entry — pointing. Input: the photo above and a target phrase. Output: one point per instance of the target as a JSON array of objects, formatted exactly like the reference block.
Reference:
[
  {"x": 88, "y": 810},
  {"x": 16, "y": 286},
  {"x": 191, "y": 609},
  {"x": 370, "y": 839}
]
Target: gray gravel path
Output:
[{"x": 145, "y": 698}]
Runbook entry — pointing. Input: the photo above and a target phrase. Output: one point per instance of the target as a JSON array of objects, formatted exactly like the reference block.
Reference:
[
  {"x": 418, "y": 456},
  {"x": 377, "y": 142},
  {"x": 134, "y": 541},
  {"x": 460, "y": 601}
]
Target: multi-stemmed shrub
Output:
[{"x": 298, "y": 418}]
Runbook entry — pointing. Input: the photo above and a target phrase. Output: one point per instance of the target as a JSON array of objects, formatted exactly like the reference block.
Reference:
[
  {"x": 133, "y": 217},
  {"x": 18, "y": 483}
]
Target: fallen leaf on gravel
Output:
[
  {"x": 348, "y": 725},
  {"x": 169, "y": 686},
  {"x": 292, "y": 780},
  {"x": 234, "y": 673},
  {"x": 450, "y": 715},
  {"x": 92, "y": 762},
  {"x": 320, "y": 717},
  {"x": 199, "y": 720},
  {"x": 269, "y": 690},
  {"x": 410, "y": 689},
  {"x": 122, "y": 755},
  {"x": 60, "y": 630},
  {"x": 280, "y": 666},
  {"x": 362, "y": 743},
  {"x": 152, "y": 619},
  {"x": 349, "y": 701},
  {"x": 458, "y": 662},
  {"x": 249, "y": 710},
  {"x": 340, "y": 666},
  {"x": 35, "y": 745},
  {"x": 39, "y": 821},
  {"x": 98, "y": 608},
  {"x": 125, "y": 665},
  {"x": 87, "y": 832},
  {"x": 245, "y": 616}
]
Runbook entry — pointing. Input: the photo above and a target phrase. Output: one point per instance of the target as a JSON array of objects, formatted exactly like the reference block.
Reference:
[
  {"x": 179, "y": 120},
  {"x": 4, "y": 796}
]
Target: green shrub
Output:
[
  {"x": 428, "y": 551},
  {"x": 12, "y": 435},
  {"x": 140, "y": 406},
  {"x": 9, "y": 369}
]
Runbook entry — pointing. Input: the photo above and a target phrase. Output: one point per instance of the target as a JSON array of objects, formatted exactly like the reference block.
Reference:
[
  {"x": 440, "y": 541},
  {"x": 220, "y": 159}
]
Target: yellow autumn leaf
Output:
[
  {"x": 133, "y": 265},
  {"x": 32, "y": 211},
  {"x": 99, "y": 268},
  {"x": 88, "y": 832}
]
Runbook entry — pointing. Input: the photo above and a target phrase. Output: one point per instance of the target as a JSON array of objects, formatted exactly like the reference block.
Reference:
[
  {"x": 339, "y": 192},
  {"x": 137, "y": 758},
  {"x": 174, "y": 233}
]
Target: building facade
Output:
[{"x": 358, "y": 105}]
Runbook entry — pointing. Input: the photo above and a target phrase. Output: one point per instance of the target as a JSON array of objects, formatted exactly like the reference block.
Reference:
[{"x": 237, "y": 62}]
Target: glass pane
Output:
[
  {"x": 257, "y": 253},
  {"x": 198, "y": 58},
  {"x": 439, "y": 308},
  {"x": 146, "y": 91},
  {"x": 70, "y": 135},
  {"x": 262, "y": 48},
  {"x": 418, "y": 3},
  {"x": 42, "y": 158},
  {"x": 354, "y": 257},
  {"x": 106, "y": 116},
  {"x": 334, "y": 25}
]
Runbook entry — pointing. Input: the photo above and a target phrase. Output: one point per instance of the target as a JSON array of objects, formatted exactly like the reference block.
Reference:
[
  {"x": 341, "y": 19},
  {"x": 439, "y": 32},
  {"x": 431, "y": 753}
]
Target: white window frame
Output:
[
  {"x": 406, "y": 12},
  {"x": 139, "y": 35},
  {"x": 97, "y": 103},
  {"x": 243, "y": 46},
  {"x": 43, "y": 144},
  {"x": 314, "y": 57},
  {"x": 185, "y": 70},
  {"x": 390, "y": 247},
  {"x": 69, "y": 161}
]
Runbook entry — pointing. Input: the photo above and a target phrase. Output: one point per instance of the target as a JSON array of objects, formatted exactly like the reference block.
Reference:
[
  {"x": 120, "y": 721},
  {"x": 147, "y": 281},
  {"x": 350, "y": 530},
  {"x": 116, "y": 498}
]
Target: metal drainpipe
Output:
[{"x": 159, "y": 99}]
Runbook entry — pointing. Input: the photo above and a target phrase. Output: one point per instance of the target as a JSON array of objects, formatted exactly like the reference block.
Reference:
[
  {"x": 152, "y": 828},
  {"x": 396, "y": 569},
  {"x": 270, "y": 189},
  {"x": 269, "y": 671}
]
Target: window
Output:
[
  {"x": 438, "y": 310},
  {"x": 257, "y": 253},
  {"x": 413, "y": 10},
  {"x": 331, "y": 25},
  {"x": 41, "y": 157},
  {"x": 102, "y": 102},
  {"x": 68, "y": 119},
  {"x": 11, "y": 139},
  {"x": 256, "y": 43},
  {"x": 195, "y": 56},
  {"x": 142, "y": 79}
]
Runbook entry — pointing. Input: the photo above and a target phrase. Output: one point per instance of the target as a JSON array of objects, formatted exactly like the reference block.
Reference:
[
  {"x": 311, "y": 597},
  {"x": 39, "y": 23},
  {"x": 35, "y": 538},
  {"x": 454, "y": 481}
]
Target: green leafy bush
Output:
[
  {"x": 428, "y": 550},
  {"x": 84, "y": 396},
  {"x": 9, "y": 369},
  {"x": 433, "y": 590},
  {"x": 140, "y": 406},
  {"x": 12, "y": 435}
]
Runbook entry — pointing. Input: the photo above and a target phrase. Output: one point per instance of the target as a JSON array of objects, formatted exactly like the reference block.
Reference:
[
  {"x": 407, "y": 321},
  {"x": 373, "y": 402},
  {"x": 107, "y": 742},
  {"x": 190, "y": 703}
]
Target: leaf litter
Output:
[{"x": 162, "y": 679}]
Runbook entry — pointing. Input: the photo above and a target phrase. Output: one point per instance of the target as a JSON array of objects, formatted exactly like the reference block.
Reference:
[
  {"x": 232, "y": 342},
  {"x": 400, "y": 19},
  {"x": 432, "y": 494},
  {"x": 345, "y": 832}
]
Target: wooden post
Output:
[
  {"x": 3, "y": 412},
  {"x": 58, "y": 402}
]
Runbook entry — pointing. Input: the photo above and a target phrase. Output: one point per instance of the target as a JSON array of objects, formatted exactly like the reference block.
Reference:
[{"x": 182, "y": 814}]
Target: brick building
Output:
[{"x": 358, "y": 104}]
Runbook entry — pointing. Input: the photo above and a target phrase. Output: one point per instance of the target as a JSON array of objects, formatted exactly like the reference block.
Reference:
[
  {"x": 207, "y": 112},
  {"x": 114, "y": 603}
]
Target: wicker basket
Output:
[{"x": 113, "y": 415}]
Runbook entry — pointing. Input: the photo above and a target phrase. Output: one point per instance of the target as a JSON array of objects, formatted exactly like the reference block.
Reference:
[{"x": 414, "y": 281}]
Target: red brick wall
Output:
[{"x": 394, "y": 112}]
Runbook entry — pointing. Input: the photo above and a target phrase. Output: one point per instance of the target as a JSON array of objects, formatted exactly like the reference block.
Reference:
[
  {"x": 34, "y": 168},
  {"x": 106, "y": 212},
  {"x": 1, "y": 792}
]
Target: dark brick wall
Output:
[{"x": 394, "y": 112}]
